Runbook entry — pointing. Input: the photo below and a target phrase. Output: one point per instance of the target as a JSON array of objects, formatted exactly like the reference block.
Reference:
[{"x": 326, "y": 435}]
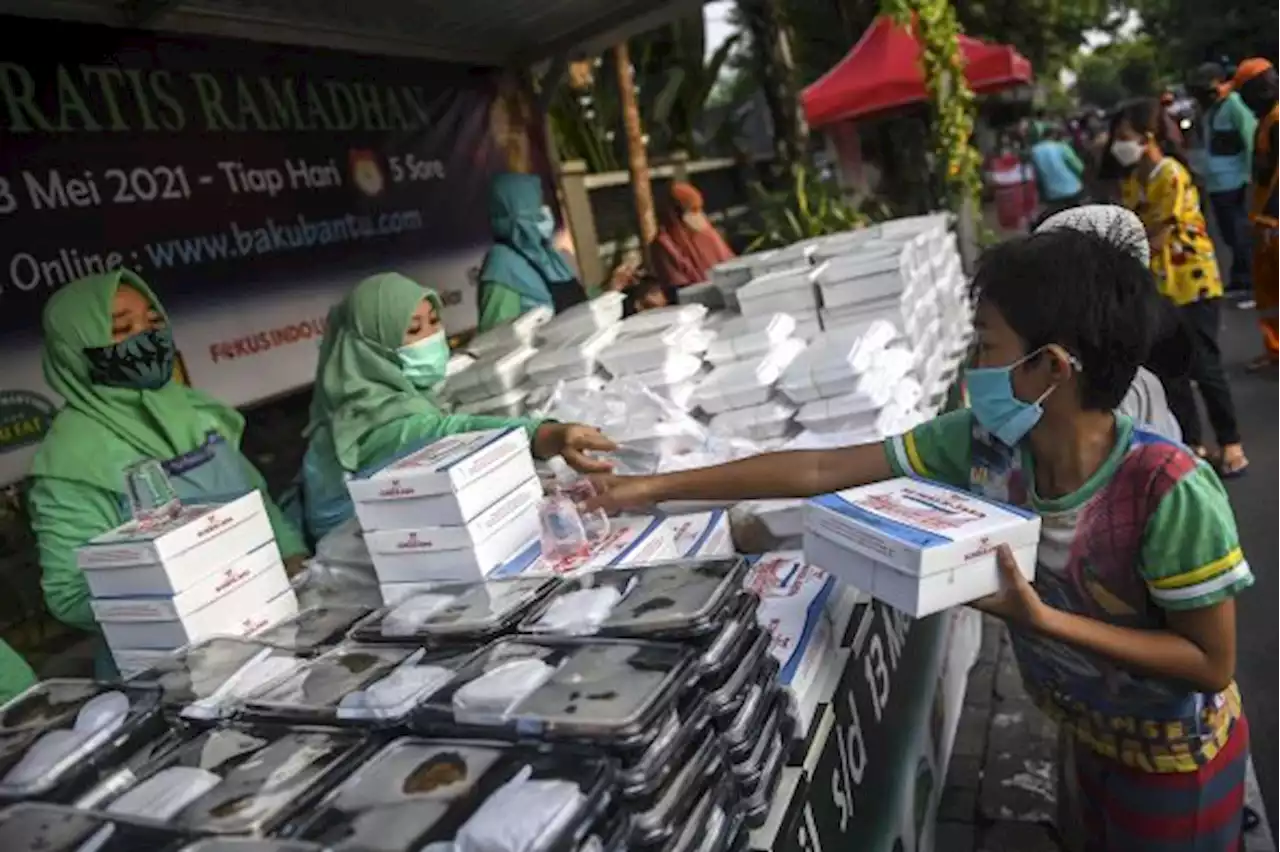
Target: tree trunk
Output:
[
  {"x": 777, "y": 73},
  {"x": 637, "y": 156}
]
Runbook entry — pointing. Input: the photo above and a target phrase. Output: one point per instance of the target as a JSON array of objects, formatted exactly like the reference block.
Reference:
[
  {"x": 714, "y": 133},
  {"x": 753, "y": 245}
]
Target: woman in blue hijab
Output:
[{"x": 523, "y": 269}]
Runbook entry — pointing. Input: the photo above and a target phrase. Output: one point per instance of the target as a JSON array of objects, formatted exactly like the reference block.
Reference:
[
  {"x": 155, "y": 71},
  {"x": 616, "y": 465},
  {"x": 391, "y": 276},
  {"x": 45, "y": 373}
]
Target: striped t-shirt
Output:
[{"x": 1151, "y": 531}]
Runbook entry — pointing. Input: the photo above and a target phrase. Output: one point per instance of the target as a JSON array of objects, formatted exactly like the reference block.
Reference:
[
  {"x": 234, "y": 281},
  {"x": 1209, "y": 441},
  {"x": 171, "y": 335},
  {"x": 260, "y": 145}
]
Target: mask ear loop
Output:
[{"x": 1072, "y": 360}]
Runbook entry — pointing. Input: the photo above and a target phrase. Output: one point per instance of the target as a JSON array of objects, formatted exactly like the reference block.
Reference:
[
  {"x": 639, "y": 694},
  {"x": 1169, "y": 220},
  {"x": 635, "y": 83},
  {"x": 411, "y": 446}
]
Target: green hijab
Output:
[
  {"x": 159, "y": 424},
  {"x": 359, "y": 384}
]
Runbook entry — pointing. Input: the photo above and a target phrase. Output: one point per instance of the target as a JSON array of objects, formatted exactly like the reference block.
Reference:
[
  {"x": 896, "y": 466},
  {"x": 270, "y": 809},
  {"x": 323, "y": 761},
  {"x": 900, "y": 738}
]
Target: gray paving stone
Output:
[
  {"x": 981, "y": 687},
  {"x": 971, "y": 736},
  {"x": 1017, "y": 837},
  {"x": 954, "y": 837},
  {"x": 965, "y": 771},
  {"x": 958, "y": 804}
]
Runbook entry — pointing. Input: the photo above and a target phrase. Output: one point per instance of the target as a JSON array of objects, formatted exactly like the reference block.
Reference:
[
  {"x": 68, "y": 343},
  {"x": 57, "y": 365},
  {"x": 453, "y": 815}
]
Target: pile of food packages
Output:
[{"x": 471, "y": 665}]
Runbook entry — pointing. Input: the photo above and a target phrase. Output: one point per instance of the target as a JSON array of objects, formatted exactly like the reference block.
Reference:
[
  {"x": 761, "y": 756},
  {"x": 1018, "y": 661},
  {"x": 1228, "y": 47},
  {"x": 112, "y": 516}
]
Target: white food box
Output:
[
  {"x": 745, "y": 383},
  {"x": 632, "y": 540},
  {"x": 674, "y": 380},
  {"x": 701, "y": 534},
  {"x": 520, "y": 331},
  {"x": 494, "y": 374},
  {"x": 208, "y": 589},
  {"x": 746, "y": 337},
  {"x": 834, "y": 362},
  {"x": 661, "y": 319},
  {"x": 794, "y": 598},
  {"x": 705, "y": 295},
  {"x": 265, "y": 599},
  {"x": 509, "y": 404},
  {"x": 456, "y": 553},
  {"x": 850, "y": 413},
  {"x": 757, "y": 422},
  {"x": 660, "y": 437},
  {"x": 446, "y": 483},
  {"x": 856, "y": 280},
  {"x": 653, "y": 350},
  {"x": 583, "y": 319},
  {"x": 918, "y": 546},
  {"x": 458, "y": 362},
  {"x": 132, "y": 662},
  {"x": 169, "y": 557},
  {"x": 571, "y": 359},
  {"x": 788, "y": 290}
]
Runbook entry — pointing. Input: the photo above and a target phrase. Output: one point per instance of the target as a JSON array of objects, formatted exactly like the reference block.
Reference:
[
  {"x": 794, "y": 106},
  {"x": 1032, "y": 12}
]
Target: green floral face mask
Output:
[{"x": 141, "y": 362}]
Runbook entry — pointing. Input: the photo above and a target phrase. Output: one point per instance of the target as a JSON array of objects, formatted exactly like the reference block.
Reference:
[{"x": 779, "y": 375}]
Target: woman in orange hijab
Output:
[{"x": 688, "y": 245}]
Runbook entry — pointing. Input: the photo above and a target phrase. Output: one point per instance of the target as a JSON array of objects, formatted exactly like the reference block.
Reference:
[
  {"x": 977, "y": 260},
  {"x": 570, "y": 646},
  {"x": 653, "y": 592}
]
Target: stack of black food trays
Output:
[{"x": 629, "y": 709}]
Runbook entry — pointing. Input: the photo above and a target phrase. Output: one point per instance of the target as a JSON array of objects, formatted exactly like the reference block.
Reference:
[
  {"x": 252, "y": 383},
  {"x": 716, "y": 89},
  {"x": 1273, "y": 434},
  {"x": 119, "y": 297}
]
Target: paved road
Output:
[{"x": 1255, "y": 500}]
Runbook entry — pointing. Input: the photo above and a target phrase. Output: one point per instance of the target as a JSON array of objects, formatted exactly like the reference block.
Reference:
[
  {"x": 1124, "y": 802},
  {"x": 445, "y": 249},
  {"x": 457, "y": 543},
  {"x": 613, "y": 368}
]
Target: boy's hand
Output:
[
  {"x": 1017, "y": 601},
  {"x": 619, "y": 493}
]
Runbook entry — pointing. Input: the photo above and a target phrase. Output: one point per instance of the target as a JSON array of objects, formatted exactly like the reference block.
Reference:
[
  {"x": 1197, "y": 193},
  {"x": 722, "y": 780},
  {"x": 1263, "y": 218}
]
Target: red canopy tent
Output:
[{"x": 883, "y": 71}]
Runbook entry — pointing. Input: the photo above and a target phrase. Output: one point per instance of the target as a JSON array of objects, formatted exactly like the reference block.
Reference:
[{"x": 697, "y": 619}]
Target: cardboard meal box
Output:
[
  {"x": 918, "y": 546},
  {"x": 794, "y": 608},
  {"x": 459, "y": 553},
  {"x": 447, "y": 483},
  {"x": 169, "y": 557},
  {"x": 265, "y": 599},
  {"x": 207, "y": 590},
  {"x": 701, "y": 534}
]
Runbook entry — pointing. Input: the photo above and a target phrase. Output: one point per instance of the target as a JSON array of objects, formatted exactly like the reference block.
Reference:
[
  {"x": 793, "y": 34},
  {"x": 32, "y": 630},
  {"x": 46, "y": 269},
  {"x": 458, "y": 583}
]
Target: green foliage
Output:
[
  {"x": 1048, "y": 32},
  {"x": 674, "y": 85},
  {"x": 1120, "y": 70},
  {"x": 1192, "y": 31},
  {"x": 809, "y": 207}
]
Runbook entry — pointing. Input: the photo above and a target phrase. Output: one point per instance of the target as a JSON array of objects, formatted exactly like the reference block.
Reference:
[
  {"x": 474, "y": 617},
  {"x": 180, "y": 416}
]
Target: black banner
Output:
[{"x": 209, "y": 164}]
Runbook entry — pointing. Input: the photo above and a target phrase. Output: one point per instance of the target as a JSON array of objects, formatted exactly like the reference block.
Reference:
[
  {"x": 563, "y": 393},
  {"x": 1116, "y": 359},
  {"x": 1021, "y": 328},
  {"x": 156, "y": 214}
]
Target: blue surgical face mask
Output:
[
  {"x": 546, "y": 222},
  {"x": 423, "y": 362},
  {"x": 996, "y": 408}
]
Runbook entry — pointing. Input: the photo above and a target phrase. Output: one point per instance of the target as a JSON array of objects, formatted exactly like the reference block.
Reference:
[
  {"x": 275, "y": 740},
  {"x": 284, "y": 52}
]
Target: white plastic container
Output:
[
  {"x": 918, "y": 546},
  {"x": 458, "y": 362},
  {"x": 497, "y": 374},
  {"x": 747, "y": 337},
  {"x": 638, "y": 353},
  {"x": 573, "y": 359},
  {"x": 661, "y": 319},
  {"x": 858, "y": 279},
  {"x": 835, "y": 362},
  {"x": 583, "y": 319},
  {"x": 745, "y": 383},
  {"x": 706, "y": 294},
  {"x": 854, "y": 412},
  {"x": 789, "y": 290},
  {"x": 509, "y": 404},
  {"x": 659, "y": 438},
  {"x": 521, "y": 331},
  {"x": 758, "y": 422}
]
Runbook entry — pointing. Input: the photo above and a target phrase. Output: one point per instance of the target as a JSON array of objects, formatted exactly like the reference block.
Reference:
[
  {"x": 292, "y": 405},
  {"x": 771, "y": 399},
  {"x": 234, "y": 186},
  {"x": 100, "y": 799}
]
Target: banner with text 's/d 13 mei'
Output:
[{"x": 251, "y": 184}]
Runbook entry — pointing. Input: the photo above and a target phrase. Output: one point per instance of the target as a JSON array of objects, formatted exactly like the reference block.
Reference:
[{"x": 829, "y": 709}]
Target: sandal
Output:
[{"x": 1234, "y": 468}]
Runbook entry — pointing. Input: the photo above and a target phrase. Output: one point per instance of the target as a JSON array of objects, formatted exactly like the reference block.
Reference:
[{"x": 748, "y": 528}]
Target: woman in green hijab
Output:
[
  {"x": 109, "y": 353},
  {"x": 384, "y": 350}
]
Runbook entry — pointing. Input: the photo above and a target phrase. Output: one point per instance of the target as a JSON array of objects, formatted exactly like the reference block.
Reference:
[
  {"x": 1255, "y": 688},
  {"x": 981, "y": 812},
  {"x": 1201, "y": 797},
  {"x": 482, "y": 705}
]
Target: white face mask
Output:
[{"x": 1127, "y": 153}]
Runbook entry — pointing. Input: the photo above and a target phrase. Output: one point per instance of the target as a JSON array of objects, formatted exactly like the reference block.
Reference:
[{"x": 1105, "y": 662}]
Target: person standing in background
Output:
[
  {"x": 1228, "y": 128},
  {"x": 1255, "y": 82},
  {"x": 688, "y": 245},
  {"x": 1159, "y": 189},
  {"x": 1059, "y": 172}
]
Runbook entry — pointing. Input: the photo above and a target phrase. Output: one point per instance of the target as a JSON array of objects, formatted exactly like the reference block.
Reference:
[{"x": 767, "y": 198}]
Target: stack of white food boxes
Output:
[
  {"x": 918, "y": 546},
  {"x": 663, "y": 349},
  {"x": 738, "y": 395},
  {"x": 210, "y": 570},
  {"x": 452, "y": 511}
]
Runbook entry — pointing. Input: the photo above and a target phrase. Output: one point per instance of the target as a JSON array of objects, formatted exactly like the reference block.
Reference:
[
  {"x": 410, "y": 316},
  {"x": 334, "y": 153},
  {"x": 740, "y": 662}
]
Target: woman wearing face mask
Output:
[
  {"x": 384, "y": 350},
  {"x": 109, "y": 353},
  {"x": 523, "y": 270},
  {"x": 688, "y": 245},
  {"x": 1255, "y": 81},
  {"x": 1160, "y": 190}
]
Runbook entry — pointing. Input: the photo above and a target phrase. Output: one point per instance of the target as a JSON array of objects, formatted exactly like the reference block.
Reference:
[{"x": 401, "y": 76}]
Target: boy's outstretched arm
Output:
[{"x": 797, "y": 473}]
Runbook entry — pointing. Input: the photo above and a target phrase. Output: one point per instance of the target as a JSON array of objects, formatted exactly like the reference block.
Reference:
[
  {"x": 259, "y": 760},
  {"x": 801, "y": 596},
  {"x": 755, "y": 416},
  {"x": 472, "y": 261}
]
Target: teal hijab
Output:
[
  {"x": 359, "y": 383},
  {"x": 521, "y": 258}
]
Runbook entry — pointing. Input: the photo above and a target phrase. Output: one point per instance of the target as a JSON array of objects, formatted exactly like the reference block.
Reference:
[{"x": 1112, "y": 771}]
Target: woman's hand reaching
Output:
[{"x": 575, "y": 443}]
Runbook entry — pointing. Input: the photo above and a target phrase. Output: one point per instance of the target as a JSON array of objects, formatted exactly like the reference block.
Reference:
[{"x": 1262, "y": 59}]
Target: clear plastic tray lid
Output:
[
  {"x": 455, "y": 612},
  {"x": 357, "y": 683},
  {"x": 233, "y": 781},
  {"x": 607, "y": 691},
  {"x": 35, "y": 826},
  {"x": 314, "y": 627},
  {"x": 51, "y": 729},
  {"x": 250, "y": 844},
  {"x": 217, "y": 671},
  {"x": 477, "y": 795},
  {"x": 680, "y": 598}
]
